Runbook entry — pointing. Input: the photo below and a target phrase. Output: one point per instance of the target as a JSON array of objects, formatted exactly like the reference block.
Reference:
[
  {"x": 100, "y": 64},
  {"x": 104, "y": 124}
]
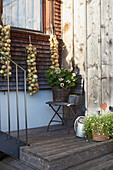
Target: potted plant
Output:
[
  {"x": 99, "y": 128},
  {"x": 61, "y": 80}
]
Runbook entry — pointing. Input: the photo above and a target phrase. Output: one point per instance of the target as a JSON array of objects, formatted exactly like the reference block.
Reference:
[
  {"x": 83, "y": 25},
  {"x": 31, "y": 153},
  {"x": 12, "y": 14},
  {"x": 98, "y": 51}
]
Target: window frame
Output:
[{"x": 26, "y": 29}]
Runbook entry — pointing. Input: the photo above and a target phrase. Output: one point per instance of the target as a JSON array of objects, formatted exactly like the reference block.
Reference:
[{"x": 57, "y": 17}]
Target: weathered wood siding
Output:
[
  {"x": 19, "y": 40},
  {"x": 79, "y": 34},
  {"x": 99, "y": 53},
  {"x": 93, "y": 48},
  {"x": 67, "y": 32}
]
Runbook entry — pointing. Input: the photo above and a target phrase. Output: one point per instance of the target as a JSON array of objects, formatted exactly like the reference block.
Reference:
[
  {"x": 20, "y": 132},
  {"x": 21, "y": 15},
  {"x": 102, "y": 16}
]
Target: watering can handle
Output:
[{"x": 75, "y": 124}]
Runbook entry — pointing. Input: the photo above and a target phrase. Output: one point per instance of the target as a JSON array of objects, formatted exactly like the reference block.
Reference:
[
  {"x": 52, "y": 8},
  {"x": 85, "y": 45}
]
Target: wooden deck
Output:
[
  {"x": 39, "y": 134},
  {"x": 57, "y": 150}
]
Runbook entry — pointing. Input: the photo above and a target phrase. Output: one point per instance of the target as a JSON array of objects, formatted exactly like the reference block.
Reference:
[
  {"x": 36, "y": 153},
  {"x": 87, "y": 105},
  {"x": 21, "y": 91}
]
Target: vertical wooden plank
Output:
[
  {"x": 32, "y": 16},
  {"x": 41, "y": 15},
  {"x": 44, "y": 16},
  {"x": 37, "y": 21},
  {"x": 93, "y": 52},
  {"x": 13, "y": 13},
  {"x": 110, "y": 43},
  {"x": 4, "y": 14},
  {"x": 51, "y": 17},
  {"x": 21, "y": 14},
  {"x": 79, "y": 34},
  {"x": 8, "y": 13},
  {"x": 100, "y": 61},
  {"x": 89, "y": 54},
  {"x": 97, "y": 54},
  {"x": 105, "y": 50},
  {"x": 28, "y": 14},
  {"x": 67, "y": 33},
  {"x": 80, "y": 39},
  {"x": 1, "y": 12},
  {"x": 47, "y": 29}
]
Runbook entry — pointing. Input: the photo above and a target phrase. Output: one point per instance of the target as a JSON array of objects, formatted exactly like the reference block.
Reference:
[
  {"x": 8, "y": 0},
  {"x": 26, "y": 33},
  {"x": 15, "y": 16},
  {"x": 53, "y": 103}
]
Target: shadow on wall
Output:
[
  {"x": 71, "y": 65},
  {"x": 64, "y": 55},
  {"x": 76, "y": 70},
  {"x": 67, "y": 63}
]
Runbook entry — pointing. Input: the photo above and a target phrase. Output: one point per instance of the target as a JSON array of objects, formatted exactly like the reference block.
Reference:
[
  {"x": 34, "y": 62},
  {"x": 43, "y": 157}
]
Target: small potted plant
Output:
[
  {"x": 61, "y": 80},
  {"x": 99, "y": 127}
]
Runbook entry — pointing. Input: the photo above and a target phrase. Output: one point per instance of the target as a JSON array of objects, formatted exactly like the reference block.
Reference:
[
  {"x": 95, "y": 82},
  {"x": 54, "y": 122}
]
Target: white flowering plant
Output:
[
  {"x": 101, "y": 123},
  {"x": 62, "y": 78}
]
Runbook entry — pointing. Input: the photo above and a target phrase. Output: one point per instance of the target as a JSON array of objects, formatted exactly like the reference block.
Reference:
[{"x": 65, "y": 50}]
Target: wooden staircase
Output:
[
  {"x": 67, "y": 152},
  {"x": 56, "y": 150},
  {"x": 8, "y": 144}
]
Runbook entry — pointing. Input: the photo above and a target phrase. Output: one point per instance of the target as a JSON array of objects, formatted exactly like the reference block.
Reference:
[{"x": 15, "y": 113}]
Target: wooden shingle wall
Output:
[
  {"x": 57, "y": 17},
  {"x": 19, "y": 40}
]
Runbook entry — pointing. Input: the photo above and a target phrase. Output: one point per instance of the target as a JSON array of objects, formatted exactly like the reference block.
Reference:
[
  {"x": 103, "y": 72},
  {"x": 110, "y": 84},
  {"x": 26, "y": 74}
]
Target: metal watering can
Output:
[{"x": 79, "y": 126}]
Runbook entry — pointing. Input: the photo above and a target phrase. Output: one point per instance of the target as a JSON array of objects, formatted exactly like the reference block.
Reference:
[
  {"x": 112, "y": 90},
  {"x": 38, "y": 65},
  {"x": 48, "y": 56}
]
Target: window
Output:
[{"x": 23, "y": 14}]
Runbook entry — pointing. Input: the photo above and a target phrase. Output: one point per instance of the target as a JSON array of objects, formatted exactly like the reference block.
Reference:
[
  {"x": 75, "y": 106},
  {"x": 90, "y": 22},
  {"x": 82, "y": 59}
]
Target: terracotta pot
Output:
[{"x": 96, "y": 136}]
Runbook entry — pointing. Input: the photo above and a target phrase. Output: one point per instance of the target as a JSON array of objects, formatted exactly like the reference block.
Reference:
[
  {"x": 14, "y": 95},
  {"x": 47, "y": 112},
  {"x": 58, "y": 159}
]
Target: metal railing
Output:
[{"x": 17, "y": 104}]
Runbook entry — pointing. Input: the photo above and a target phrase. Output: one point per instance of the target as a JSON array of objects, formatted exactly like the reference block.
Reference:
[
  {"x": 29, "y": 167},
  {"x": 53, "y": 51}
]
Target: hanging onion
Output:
[
  {"x": 54, "y": 51},
  {"x": 32, "y": 77},
  {"x": 5, "y": 50}
]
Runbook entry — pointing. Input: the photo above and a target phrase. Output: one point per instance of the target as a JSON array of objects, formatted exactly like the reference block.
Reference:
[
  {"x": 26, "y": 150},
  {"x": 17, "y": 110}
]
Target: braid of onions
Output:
[
  {"x": 32, "y": 72},
  {"x": 54, "y": 52},
  {"x": 5, "y": 50}
]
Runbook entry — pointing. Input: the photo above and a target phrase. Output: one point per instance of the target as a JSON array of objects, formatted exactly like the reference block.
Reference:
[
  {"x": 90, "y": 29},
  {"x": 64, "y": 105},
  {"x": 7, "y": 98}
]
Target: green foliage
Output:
[
  {"x": 101, "y": 123},
  {"x": 61, "y": 78}
]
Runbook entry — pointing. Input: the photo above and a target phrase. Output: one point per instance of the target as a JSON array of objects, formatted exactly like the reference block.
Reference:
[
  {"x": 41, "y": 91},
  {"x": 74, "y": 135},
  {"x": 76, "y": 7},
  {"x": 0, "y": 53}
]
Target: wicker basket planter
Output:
[{"x": 60, "y": 95}]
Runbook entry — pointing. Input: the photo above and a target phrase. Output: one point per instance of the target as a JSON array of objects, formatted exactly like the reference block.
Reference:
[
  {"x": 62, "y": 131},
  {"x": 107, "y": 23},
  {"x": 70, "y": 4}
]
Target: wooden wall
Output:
[
  {"x": 93, "y": 48},
  {"x": 67, "y": 32},
  {"x": 53, "y": 17},
  {"x": 99, "y": 53},
  {"x": 57, "y": 17},
  {"x": 19, "y": 40}
]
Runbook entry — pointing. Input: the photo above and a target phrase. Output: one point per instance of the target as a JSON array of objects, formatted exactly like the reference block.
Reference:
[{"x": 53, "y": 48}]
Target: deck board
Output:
[
  {"x": 56, "y": 147},
  {"x": 40, "y": 134},
  {"x": 58, "y": 150},
  {"x": 9, "y": 163}
]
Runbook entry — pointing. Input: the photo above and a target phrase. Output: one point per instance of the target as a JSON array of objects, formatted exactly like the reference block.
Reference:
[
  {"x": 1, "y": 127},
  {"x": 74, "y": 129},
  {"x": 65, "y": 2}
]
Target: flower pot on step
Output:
[{"x": 96, "y": 136}]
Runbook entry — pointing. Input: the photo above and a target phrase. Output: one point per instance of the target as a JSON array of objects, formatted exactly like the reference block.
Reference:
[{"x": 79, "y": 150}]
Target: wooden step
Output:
[
  {"x": 102, "y": 163},
  {"x": 63, "y": 152}
]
